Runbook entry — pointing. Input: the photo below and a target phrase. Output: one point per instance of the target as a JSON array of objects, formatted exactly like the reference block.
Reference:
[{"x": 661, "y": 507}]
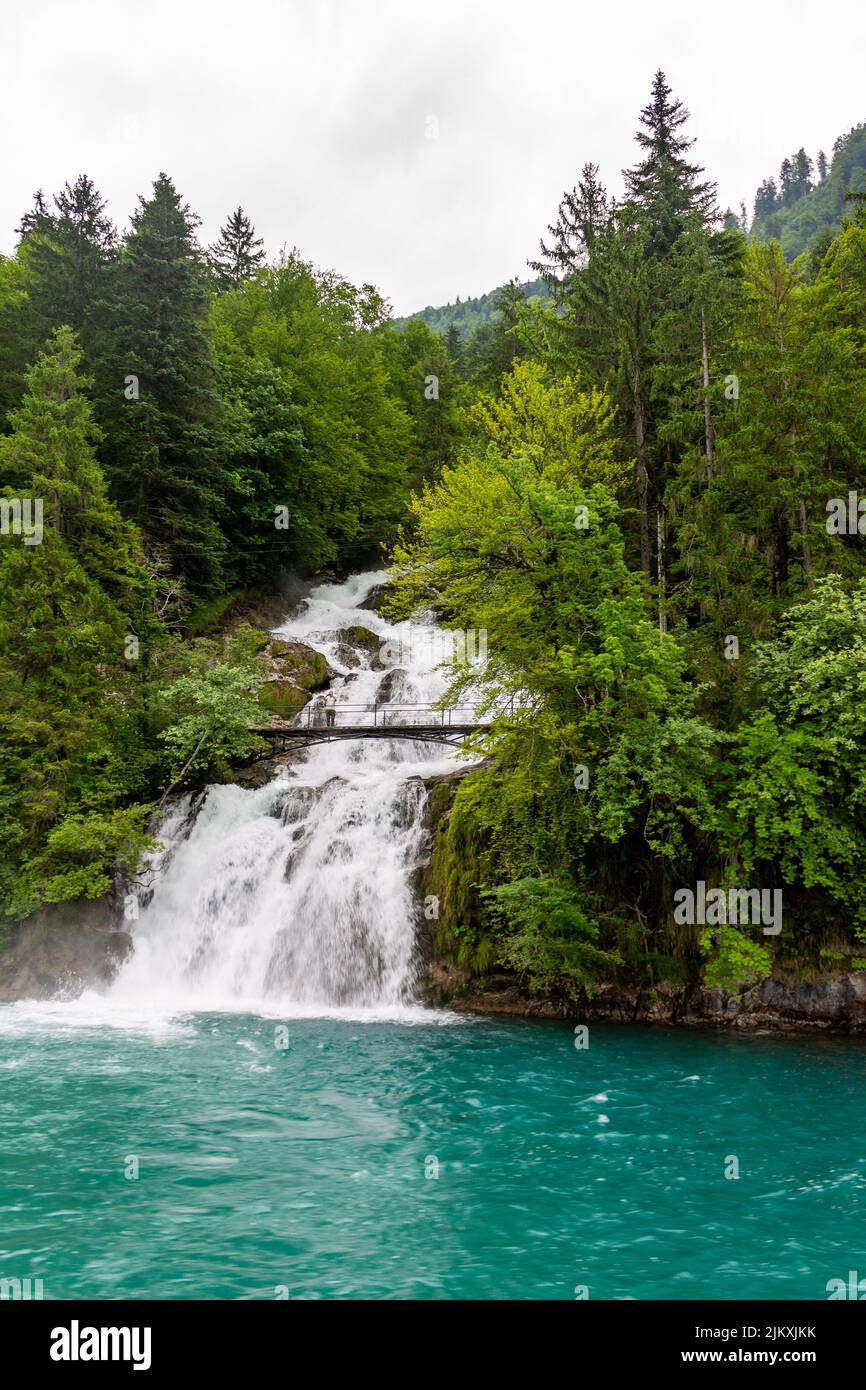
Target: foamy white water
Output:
[{"x": 297, "y": 897}]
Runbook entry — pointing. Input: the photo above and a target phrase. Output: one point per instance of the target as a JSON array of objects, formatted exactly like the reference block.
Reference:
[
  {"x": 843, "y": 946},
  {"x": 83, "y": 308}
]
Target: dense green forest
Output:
[
  {"x": 657, "y": 521},
  {"x": 803, "y": 208},
  {"x": 191, "y": 423},
  {"x": 467, "y": 315},
  {"x": 629, "y": 481}
]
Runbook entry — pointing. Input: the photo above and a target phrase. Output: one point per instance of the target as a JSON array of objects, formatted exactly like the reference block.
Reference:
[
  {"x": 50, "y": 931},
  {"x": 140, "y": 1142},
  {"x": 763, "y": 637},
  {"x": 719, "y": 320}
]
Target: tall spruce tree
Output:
[
  {"x": 582, "y": 214},
  {"x": 157, "y": 400},
  {"x": 238, "y": 253},
  {"x": 65, "y": 254},
  {"x": 65, "y": 607},
  {"x": 664, "y": 184},
  {"x": 60, "y": 274},
  {"x": 616, "y": 273}
]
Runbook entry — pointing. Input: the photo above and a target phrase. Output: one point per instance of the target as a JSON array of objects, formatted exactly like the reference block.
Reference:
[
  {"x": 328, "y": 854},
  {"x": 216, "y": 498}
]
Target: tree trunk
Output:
[
  {"x": 178, "y": 779},
  {"x": 708, "y": 418},
  {"x": 642, "y": 474},
  {"x": 804, "y": 527}
]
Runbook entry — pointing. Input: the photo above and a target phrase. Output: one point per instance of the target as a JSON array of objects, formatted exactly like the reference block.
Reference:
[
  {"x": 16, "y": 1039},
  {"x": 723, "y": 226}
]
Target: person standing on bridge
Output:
[{"x": 330, "y": 709}]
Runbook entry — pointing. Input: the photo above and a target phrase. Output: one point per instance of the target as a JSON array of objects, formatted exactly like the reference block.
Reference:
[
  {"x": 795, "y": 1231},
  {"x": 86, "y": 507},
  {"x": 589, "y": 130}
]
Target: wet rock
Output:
[
  {"x": 836, "y": 1005},
  {"x": 64, "y": 949},
  {"x": 268, "y": 607},
  {"x": 300, "y": 663},
  {"x": 359, "y": 647},
  {"x": 283, "y": 698},
  {"x": 396, "y": 685},
  {"x": 264, "y": 770},
  {"x": 377, "y": 598},
  {"x": 291, "y": 673}
]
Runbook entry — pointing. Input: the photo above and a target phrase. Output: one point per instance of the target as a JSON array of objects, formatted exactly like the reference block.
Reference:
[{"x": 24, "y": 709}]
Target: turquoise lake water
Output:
[{"x": 265, "y": 1169}]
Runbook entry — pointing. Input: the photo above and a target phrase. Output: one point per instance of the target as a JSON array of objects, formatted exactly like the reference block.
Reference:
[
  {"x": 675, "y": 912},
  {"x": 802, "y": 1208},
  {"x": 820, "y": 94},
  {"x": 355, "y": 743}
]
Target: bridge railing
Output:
[{"x": 315, "y": 716}]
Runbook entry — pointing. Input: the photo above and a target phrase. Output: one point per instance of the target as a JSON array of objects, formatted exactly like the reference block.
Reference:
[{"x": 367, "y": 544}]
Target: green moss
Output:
[
  {"x": 300, "y": 664},
  {"x": 282, "y": 698},
  {"x": 454, "y": 877},
  {"x": 361, "y": 637}
]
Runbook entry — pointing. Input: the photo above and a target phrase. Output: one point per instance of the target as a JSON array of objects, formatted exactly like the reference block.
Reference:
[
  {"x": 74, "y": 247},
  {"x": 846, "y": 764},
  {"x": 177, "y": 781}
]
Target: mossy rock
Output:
[
  {"x": 378, "y": 598},
  {"x": 283, "y": 698},
  {"x": 300, "y": 664},
  {"x": 355, "y": 639},
  {"x": 362, "y": 637}
]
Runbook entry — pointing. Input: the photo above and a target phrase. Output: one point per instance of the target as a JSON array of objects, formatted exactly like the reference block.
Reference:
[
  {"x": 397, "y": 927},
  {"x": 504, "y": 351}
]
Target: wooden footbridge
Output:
[{"x": 324, "y": 724}]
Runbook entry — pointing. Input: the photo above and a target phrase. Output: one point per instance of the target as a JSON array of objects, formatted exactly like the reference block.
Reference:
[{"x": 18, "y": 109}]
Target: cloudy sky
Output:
[{"x": 422, "y": 145}]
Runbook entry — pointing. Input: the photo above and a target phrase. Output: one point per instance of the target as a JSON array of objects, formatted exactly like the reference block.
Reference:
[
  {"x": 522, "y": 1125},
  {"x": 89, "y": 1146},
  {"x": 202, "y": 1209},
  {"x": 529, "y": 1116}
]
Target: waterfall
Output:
[{"x": 297, "y": 896}]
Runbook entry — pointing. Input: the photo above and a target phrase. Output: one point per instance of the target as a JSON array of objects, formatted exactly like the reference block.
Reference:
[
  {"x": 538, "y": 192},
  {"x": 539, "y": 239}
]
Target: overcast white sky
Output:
[{"x": 314, "y": 114}]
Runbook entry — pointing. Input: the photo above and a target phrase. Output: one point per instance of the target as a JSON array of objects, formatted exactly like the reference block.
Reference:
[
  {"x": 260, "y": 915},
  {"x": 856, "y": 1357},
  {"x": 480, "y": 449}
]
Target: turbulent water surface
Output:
[{"x": 257, "y": 1108}]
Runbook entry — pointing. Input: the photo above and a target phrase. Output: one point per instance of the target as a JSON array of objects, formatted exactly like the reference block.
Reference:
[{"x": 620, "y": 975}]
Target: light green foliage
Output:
[
  {"x": 799, "y": 801},
  {"x": 733, "y": 959},
  {"x": 213, "y": 711},
  {"x": 550, "y": 939},
  {"x": 85, "y": 852},
  {"x": 566, "y": 428},
  {"x": 496, "y": 548}
]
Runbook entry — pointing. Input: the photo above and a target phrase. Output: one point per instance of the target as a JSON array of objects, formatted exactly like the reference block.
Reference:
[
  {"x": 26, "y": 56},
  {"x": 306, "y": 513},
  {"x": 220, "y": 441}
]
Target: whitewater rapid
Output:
[{"x": 296, "y": 898}]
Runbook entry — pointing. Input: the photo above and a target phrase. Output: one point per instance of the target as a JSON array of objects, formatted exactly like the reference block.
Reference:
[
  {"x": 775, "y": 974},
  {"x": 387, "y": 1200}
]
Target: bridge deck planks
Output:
[{"x": 306, "y": 731}]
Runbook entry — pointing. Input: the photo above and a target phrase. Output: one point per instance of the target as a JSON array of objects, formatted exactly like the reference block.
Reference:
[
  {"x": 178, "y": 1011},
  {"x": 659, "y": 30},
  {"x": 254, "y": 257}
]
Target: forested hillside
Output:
[
  {"x": 804, "y": 207},
  {"x": 179, "y": 424},
  {"x": 643, "y": 483},
  {"x": 466, "y": 315},
  {"x": 656, "y": 521}
]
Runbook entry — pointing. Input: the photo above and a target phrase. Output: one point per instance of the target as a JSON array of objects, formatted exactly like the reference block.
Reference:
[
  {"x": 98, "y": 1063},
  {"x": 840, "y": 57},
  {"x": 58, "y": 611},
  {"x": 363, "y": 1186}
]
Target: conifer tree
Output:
[
  {"x": 37, "y": 218},
  {"x": 453, "y": 346},
  {"x": 582, "y": 214},
  {"x": 238, "y": 253},
  {"x": 664, "y": 184},
  {"x": 65, "y": 606},
  {"x": 766, "y": 198},
  {"x": 157, "y": 399},
  {"x": 65, "y": 254},
  {"x": 786, "y": 176},
  {"x": 803, "y": 169},
  {"x": 50, "y": 454}
]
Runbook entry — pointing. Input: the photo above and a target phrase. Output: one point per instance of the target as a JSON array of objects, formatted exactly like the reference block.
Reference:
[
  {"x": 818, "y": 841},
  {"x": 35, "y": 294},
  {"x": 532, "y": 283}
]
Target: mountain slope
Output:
[
  {"x": 469, "y": 314},
  {"x": 797, "y": 222}
]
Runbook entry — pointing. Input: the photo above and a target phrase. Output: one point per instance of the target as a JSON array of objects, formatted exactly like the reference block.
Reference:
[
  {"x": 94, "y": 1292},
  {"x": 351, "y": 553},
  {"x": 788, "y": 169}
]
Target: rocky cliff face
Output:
[{"x": 64, "y": 950}]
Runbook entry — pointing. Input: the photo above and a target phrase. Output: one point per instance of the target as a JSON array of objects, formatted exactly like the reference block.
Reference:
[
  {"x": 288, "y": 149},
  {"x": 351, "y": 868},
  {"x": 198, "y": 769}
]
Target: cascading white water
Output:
[{"x": 298, "y": 895}]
